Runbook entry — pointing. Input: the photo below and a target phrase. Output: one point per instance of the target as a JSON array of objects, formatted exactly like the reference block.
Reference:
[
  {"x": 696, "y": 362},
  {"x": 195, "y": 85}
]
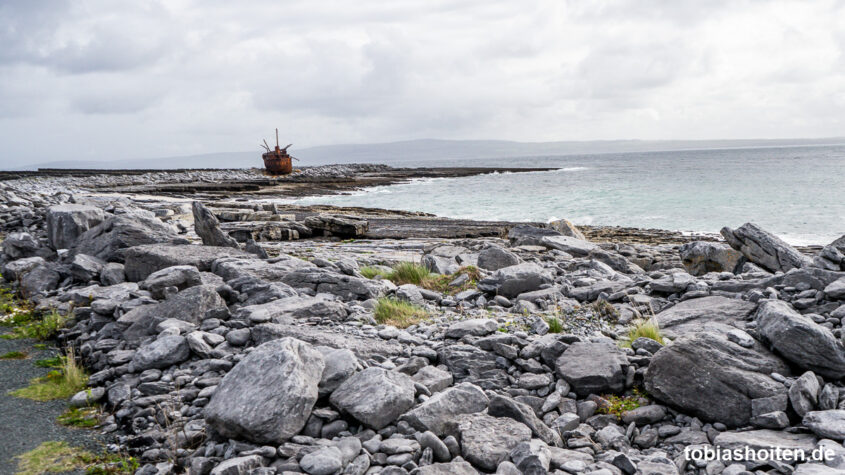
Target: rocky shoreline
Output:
[{"x": 226, "y": 334}]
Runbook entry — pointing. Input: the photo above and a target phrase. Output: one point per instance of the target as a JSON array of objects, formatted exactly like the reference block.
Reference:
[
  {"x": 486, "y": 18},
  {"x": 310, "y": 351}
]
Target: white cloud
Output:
[{"x": 183, "y": 76}]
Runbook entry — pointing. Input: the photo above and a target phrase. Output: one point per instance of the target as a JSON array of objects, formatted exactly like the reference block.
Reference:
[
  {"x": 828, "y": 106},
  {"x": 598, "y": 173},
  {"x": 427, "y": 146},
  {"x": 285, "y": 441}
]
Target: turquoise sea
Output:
[{"x": 796, "y": 192}]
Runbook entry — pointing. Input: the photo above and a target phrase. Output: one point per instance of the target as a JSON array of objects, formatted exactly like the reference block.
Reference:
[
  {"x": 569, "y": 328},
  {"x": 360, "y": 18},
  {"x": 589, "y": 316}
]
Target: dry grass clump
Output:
[
  {"x": 61, "y": 383},
  {"x": 643, "y": 329},
  {"x": 419, "y": 275},
  {"x": 398, "y": 313}
]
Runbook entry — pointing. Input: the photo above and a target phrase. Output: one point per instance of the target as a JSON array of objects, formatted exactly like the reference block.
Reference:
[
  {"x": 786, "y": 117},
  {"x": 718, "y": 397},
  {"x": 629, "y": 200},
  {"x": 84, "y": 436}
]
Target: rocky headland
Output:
[{"x": 226, "y": 332}]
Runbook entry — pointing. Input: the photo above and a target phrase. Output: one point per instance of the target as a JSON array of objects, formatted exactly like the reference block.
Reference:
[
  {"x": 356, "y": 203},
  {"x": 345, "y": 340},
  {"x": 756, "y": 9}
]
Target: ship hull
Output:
[{"x": 277, "y": 164}]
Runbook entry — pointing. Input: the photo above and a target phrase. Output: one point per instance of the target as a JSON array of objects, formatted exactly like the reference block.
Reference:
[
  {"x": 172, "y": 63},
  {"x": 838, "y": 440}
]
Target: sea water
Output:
[{"x": 797, "y": 193}]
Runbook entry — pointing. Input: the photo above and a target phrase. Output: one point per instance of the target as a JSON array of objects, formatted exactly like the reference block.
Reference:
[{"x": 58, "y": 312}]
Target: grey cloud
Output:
[{"x": 192, "y": 77}]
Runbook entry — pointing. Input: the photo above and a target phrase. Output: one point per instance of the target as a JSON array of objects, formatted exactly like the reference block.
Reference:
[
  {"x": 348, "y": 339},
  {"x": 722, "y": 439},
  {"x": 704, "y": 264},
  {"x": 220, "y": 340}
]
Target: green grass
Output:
[
  {"x": 60, "y": 457},
  {"x": 61, "y": 383},
  {"x": 400, "y": 314},
  {"x": 409, "y": 273},
  {"x": 53, "y": 362},
  {"x": 441, "y": 283},
  {"x": 555, "y": 325},
  {"x": 10, "y": 303},
  {"x": 419, "y": 275},
  {"x": 40, "y": 346},
  {"x": 371, "y": 272},
  {"x": 43, "y": 328},
  {"x": 83, "y": 417},
  {"x": 13, "y": 355},
  {"x": 643, "y": 329},
  {"x": 616, "y": 405}
]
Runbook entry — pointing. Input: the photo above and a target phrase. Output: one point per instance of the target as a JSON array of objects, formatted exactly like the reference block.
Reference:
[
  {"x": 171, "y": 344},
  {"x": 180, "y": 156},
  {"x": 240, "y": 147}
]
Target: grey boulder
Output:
[
  {"x": 43, "y": 278},
  {"x": 85, "y": 268},
  {"x": 565, "y": 227},
  {"x": 514, "y": 280},
  {"x": 179, "y": 277},
  {"x": 341, "y": 363},
  {"x": 570, "y": 245},
  {"x": 162, "y": 353},
  {"x": 495, "y": 258},
  {"x": 375, "y": 397},
  {"x": 800, "y": 340},
  {"x": 501, "y": 406},
  {"x": 434, "y": 414},
  {"x": 712, "y": 312},
  {"x": 191, "y": 305},
  {"x": 451, "y": 468},
  {"x": 268, "y": 396},
  {"x": 701, "y": 257},
  {"x": 20, "y": 245},
  {"x": 593, "y": 368},
  {"x": 836, "y": 289},
  {"x": 764, "y": 248},
  {"x": 207, "y": 227},
  {"x": 66, "y": 222},
  {"x": 472, "y": 365},
  {"x": 331, "y": 282},
  {"x": 828, "y": 424},
  {"x": 142, "y": 261},
  {"x": 473, "y": 326},
  {"x": 713, "y": 378},
  {"x": 16, "y": 269},
  {"x": 110, "y": 238},
  {"x": 487, "y": 441}
]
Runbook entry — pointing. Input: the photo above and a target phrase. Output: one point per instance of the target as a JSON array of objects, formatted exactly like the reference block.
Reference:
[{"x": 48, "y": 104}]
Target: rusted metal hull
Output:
[{"x": 277, "y": 163}]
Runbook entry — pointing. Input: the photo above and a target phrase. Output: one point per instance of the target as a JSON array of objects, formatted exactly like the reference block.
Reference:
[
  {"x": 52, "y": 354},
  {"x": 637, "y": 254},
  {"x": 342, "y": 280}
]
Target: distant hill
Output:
[{"x": 416, "y": 151}]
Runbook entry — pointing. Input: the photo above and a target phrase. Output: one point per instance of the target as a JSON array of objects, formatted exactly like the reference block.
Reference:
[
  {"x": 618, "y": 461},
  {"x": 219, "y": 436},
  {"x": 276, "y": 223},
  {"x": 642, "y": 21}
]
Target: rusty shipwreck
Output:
[{"x": 277, "y": 161}]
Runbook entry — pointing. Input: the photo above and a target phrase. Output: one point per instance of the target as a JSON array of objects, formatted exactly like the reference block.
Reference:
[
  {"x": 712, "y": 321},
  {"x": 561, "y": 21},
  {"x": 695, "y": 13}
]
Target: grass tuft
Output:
[
  {"x": 643, "y": 329},
  {"x": 441, "y": 283},
  {"x": 555, "y": 325},
  {"x": 84, "y": 417},
  {"x": 61, "y": 383},
  {"x": 60, "y": 457},
  {"x": 53, "y": 362},
  {"x": 400, "y": 314},
  {"x": 49, "y": 457},
  {"x": 409, "y": 273},
  {"x": 419, "y": 275},
  {"x": 371, "y": 272},
  {"x": 13, "y": 355}
]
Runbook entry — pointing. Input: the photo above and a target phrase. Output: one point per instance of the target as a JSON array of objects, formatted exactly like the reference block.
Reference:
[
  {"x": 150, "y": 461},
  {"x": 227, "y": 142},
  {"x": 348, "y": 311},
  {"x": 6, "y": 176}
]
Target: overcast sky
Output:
[{"x": 98, "y": 79}]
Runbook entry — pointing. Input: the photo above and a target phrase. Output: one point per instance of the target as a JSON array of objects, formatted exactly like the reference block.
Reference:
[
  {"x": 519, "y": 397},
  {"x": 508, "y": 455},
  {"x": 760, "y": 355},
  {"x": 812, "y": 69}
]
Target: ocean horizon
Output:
[{"x": 794, "y": 192}]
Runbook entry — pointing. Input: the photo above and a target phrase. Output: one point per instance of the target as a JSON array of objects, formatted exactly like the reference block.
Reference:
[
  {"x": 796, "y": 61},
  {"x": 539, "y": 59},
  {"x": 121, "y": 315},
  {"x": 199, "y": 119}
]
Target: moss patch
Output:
[
  {"x": 53, "y": 362},
  {"x": 616, "y": 405},
  {"x": 84, "y": 417},
  {"x": 13, "y": 355}
]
